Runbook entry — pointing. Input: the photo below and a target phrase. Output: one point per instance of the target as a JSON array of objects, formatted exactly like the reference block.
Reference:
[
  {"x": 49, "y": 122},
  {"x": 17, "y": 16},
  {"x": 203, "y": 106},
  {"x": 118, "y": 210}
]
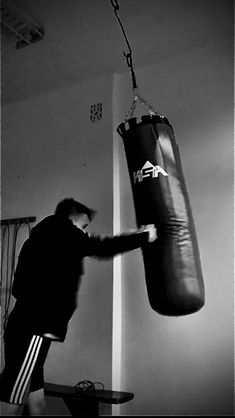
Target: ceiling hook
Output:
[{"x": 115, "y": 4}]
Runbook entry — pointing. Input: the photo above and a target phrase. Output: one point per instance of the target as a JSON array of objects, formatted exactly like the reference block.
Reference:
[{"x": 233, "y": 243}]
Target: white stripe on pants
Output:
[{"x": 26, "y": 370}]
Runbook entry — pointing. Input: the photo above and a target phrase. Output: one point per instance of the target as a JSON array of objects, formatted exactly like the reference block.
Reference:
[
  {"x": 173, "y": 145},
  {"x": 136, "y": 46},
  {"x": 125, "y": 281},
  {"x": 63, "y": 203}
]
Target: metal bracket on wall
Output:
[{"x": 20, "y": 24}]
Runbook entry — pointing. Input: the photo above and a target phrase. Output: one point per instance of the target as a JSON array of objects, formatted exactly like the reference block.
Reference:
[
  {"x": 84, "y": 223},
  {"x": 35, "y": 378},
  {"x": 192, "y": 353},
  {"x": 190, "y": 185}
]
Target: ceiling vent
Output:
[{"x": 20, "y": 24}]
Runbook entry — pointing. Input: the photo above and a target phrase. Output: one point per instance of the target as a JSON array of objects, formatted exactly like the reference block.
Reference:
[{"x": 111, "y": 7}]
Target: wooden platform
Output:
[{"x": 86, "y": 404}]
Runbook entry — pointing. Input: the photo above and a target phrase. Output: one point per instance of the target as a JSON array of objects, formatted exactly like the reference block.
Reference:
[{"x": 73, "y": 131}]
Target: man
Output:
[{"x": 46, "y": 282}]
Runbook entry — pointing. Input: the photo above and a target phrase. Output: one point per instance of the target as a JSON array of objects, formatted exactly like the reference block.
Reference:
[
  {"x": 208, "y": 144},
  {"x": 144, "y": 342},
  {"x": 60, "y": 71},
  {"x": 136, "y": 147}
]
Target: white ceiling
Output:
[{"x": 83, "y": 39}]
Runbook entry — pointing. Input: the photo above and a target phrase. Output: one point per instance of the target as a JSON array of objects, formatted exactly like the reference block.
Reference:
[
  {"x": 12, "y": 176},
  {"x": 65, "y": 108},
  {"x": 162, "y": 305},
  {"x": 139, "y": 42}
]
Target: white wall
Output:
[
  {"x": 51, "y": 150},
  {"x": 184, "y": 365}
]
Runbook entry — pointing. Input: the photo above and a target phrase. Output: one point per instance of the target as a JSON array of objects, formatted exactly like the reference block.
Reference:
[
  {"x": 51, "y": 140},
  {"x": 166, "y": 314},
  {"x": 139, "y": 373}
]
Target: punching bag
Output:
[{"x": 172, "y": 263}]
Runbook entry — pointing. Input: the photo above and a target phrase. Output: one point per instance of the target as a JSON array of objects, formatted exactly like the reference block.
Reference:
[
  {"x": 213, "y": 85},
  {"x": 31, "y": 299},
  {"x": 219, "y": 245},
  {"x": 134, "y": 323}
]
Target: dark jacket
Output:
[{"x": 49, "y": 270}]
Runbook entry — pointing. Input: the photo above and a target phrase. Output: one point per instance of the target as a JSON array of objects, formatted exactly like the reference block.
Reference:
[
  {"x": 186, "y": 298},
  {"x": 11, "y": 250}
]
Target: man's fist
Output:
[{"x": 151, "y": 229}]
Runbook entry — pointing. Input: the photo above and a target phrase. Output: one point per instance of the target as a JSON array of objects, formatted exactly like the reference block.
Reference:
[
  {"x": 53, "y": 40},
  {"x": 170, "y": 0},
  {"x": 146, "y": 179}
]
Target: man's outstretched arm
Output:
[{"x": 108, "y": 247}]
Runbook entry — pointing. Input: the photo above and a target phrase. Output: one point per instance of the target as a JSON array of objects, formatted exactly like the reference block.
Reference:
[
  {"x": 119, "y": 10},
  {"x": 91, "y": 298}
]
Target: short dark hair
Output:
[{"x": 68, "y": 206}]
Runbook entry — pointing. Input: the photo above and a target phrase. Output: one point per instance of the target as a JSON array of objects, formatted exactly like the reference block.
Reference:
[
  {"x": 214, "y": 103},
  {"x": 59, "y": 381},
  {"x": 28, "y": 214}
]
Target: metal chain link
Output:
[
  {"x": 130, "y": 112},
  {"x": 150, "y": 108},
  {"x": 152, "y": 111}
]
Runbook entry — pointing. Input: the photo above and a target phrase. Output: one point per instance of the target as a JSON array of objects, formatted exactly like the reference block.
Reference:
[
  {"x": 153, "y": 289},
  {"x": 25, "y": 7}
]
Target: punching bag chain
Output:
[
  {"x": 129, "y": 62},
  {"x": 127, "y": 55}
]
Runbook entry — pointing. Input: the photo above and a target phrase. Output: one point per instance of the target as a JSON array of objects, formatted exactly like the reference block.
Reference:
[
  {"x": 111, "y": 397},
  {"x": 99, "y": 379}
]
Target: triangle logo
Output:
[{"x": 148, "y": 165}]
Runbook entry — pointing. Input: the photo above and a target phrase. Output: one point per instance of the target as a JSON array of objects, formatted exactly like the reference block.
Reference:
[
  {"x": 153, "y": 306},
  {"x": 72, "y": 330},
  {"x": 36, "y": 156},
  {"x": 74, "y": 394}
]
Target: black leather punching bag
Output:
[{"x": 172, "y": 263}]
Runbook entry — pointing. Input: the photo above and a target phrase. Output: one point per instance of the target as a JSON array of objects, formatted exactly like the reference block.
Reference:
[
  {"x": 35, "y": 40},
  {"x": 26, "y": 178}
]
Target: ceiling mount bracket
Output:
[{"x": 20, "y": 24}]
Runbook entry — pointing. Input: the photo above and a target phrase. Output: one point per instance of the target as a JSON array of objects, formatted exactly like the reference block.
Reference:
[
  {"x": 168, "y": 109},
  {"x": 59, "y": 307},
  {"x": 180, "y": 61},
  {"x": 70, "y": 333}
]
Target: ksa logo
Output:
[{"x": 148, "y": 170}]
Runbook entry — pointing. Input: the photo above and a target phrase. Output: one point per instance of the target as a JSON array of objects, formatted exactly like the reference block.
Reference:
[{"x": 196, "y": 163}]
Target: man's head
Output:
[{"x": 79, "y": 214}]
